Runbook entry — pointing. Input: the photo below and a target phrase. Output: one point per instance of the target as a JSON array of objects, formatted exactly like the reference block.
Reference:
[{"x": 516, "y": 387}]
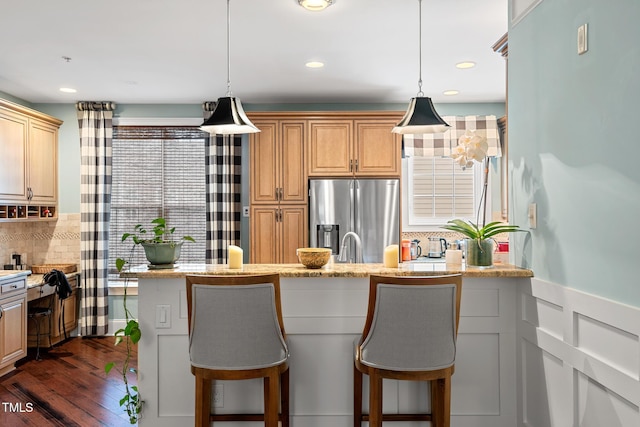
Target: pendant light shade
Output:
[
  {"x": 421, "y": 117},
  {"x": 228, "y": 118}
]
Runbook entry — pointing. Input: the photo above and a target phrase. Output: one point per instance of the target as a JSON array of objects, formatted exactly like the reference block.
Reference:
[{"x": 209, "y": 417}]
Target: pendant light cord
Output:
[
  {"x": 229, "y": 50},
  {"x": 420, "y": 93}
]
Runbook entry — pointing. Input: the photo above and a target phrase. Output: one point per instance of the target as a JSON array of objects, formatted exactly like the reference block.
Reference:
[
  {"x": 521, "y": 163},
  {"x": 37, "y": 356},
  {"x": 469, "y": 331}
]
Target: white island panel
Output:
[{"x": 322, "y": 317}]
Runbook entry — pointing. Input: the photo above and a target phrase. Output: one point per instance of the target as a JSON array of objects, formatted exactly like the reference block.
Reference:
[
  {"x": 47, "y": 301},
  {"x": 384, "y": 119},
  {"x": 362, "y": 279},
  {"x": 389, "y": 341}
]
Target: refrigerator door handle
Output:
[{"x": 358, "y": 211}]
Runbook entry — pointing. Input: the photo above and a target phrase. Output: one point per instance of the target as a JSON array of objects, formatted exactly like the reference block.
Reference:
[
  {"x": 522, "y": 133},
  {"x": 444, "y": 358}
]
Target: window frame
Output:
[
  {"x": 410, "y": 223},
  {"x": 154, "y": 122}
]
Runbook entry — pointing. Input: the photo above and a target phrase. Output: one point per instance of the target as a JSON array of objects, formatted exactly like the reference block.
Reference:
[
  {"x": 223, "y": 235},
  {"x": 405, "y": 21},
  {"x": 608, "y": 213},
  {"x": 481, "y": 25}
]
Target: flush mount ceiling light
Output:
[
  {"x": 228, "y": 117},
  {"x": 315, "y": 5},
  {"x": 421, "y": 116},
  {"x": 466, "y": 64},
  {"x": 450, "y": 92},
  {"x": 314, "y": 64},
  {"x": 67, "y": 90}
]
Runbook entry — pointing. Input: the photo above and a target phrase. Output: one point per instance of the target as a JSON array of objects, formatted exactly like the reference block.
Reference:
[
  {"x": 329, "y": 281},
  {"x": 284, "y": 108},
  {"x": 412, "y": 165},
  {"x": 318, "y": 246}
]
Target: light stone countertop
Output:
[
  {"x": 331, "y": 270},
  {"x": 12, "y": 274}
]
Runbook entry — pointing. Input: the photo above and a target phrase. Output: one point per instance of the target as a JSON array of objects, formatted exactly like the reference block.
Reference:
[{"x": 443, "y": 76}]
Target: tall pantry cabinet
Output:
[{"x": 278, "y": 215}]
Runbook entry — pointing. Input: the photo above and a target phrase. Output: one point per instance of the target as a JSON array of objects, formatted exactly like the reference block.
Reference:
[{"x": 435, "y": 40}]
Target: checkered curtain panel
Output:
[
  {"x": 223, "y": 178},
  {"x": 94, "y": 120},
  {"x": 441, "y": 144}
]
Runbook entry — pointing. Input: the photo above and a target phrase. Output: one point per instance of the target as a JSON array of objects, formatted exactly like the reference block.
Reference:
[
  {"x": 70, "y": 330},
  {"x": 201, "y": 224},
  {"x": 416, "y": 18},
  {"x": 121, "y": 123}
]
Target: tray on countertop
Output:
[{"x": 45, "y": 268}]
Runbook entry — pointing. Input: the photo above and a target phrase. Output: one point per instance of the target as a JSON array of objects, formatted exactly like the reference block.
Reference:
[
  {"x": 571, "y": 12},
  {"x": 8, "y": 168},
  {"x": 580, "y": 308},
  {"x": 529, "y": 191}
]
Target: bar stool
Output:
[
  {"x": 39, "y": 312},
  {"x": 410, "y": 334},
  {"x": 236, "y": 332}
]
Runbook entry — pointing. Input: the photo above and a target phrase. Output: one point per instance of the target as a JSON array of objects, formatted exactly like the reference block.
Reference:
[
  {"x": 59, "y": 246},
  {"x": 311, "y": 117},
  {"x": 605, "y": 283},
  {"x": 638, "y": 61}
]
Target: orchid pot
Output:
[{"x": 479, "y": 252}]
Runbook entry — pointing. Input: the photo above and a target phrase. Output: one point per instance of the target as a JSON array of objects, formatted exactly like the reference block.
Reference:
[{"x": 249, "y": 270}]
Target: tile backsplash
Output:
[{"x": 43, "y": 242}]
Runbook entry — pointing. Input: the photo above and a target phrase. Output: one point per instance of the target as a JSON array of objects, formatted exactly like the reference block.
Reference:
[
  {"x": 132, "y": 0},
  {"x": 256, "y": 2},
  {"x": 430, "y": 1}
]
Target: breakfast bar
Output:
[{"x": 324, "y": 311}]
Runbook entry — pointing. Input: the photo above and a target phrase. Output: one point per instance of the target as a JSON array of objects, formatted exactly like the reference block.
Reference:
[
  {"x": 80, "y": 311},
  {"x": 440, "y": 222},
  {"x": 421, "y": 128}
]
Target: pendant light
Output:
[
  {"x": 228, "y": 117},
  {"x": 421, "y": 116}
]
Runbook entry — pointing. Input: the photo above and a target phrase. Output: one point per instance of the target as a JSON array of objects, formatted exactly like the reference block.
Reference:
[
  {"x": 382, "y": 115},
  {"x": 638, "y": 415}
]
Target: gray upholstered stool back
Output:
[
  {"x": 235, "y": 326},
  {"x": 413, "y": 327}
]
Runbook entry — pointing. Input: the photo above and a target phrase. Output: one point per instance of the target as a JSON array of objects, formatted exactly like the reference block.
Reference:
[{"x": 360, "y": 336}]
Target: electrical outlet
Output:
[
  {"x": 218, "y": 395},
  {"x": 245, "y": 211}
]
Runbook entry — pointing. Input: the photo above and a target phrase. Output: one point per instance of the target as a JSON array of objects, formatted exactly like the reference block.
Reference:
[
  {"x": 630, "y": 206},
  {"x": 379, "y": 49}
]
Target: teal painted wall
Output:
[
  {"x": 9, "y": 97},
  {"x": 574, "y": 144}
]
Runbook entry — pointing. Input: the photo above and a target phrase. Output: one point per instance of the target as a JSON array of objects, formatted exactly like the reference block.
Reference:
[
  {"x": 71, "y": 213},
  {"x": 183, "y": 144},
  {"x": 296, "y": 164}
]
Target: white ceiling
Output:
[{"x": 174, "y": 51}]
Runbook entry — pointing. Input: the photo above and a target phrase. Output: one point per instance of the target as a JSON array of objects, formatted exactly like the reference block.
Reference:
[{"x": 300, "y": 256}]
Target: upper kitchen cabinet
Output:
[
  {"x": 28, "y": 163},
  {"x": 362, "y": 146},
  {"x": 277, "y": 162}
]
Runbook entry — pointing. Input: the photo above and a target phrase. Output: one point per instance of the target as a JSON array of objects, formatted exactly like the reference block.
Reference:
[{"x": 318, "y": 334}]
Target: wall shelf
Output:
[{"x": 17, "y": 212}]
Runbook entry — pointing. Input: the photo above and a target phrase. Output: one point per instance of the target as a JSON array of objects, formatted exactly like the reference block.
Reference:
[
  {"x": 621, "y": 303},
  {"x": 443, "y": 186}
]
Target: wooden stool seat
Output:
[
  {"x": 225, "y": 312},
  {"x": 410, "y": 334}
]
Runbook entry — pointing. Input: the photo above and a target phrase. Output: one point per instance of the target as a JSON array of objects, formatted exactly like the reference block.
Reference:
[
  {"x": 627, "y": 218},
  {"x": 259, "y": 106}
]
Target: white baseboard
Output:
[{"x": 578, "y": 359}]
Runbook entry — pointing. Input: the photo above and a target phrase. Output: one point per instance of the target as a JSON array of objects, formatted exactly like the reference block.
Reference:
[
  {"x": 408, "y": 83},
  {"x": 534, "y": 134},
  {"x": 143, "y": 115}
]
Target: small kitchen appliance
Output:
[
  {"x": 437, "y": 247},
  {"x": 416, "y": 250}
]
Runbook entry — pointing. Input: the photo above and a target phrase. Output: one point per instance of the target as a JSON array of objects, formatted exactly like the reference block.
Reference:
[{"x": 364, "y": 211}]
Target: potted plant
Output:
[
  {"x": 160, "y": 247},
  {"x": 130, "y": 335},
  {"x": 479, "y": 238},
  {"x": 479, "y": 241}
]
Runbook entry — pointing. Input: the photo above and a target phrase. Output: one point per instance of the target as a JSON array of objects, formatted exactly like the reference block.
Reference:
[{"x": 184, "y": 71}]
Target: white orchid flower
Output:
[{"x": 471, "y": 146}]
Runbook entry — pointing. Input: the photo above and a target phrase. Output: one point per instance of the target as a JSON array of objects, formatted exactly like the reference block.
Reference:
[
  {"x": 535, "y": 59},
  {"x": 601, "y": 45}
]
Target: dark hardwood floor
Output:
[{"x": 68, "y": 387}]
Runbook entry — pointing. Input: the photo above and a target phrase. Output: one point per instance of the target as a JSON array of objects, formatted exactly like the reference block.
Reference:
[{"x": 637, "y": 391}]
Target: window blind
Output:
[
  {"x": 157, "y": 171},
  {"x": 439, "y": 190}
]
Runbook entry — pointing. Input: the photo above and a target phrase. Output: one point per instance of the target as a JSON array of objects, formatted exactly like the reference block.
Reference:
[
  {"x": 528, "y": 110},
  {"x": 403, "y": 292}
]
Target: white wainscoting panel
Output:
[{"x": 578, "y": 359}]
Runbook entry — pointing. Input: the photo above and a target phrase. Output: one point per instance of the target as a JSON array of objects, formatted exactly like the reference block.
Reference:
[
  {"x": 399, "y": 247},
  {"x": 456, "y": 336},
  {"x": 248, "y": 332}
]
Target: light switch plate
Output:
[
  {"x": 582, "y": 39},
  {"x": 533, "y": 220},
  {"x": 163, "y": 316}
]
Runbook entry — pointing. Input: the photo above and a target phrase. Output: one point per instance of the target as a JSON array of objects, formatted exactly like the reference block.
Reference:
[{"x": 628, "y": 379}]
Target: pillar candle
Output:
[
  {"x": 391, "y": 256},
  {"x": 235, "y": 257},
  {"x": 453, "y": 256}
]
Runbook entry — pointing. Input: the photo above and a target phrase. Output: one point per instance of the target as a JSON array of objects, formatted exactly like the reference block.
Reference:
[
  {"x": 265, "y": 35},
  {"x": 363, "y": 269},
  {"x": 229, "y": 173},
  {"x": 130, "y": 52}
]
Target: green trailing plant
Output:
[
  {"x": 160, "y": 233},
  {"x": 130, "y": 335}
]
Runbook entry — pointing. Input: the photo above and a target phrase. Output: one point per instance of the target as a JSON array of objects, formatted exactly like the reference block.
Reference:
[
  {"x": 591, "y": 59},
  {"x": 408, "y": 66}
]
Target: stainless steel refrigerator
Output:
[{"x": 368, "y": 207}]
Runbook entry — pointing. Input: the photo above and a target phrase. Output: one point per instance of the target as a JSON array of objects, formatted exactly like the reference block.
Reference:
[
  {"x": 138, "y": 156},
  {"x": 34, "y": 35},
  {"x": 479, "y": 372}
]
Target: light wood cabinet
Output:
[
  {"x": 28, "y": 163},
  {"x": 13, "y": 322},
  {"x": 330, "y": 147},
  {"x": 277, "y": 162},
  {"x": 65, "y": 315},
  {"x": 278, "y": 191},
  {"x": 359, "y": 147},
  {"x": 276, "y": 232}
]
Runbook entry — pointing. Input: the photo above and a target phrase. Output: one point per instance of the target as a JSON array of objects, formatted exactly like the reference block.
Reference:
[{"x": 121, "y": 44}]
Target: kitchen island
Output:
[{"x": 324, "y": 311}]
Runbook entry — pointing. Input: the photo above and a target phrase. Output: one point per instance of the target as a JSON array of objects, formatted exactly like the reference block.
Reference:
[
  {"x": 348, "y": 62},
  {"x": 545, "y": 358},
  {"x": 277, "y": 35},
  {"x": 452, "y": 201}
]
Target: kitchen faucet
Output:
[{"x": 342, "y": 257}]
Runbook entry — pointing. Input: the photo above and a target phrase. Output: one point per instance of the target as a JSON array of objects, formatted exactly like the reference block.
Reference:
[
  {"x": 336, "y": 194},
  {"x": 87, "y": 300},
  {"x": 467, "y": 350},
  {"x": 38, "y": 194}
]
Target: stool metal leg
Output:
[{"x": 37, "y": 338}]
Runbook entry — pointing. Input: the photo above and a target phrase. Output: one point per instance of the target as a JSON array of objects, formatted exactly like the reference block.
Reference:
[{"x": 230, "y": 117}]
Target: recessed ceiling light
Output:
[
  {"x": 316, "y": 5},
  {"x": 450, "y": 92},
  {"x": 314, "y": 64},
  {"x": 67, "y": 90},
  {"x": 465, "y": 65}
]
